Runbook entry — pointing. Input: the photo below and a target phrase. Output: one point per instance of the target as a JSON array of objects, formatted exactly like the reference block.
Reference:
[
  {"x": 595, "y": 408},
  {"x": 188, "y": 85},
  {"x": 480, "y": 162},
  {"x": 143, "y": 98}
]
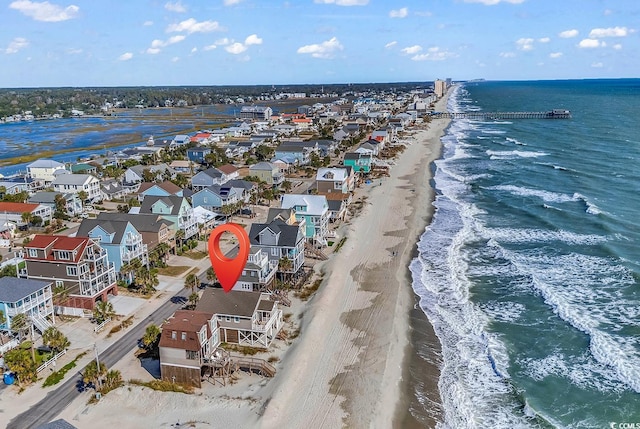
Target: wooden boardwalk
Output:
[{"x": 551, "y": 114}]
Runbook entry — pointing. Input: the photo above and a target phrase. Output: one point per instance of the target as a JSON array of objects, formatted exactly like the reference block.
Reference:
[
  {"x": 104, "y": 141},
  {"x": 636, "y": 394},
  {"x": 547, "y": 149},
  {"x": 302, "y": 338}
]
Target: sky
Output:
[{"x": 245, "y": 42}]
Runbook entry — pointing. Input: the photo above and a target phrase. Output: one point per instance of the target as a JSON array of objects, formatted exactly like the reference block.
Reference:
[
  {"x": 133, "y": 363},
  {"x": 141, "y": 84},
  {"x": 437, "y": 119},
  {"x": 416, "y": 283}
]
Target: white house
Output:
[{"x": 75, "y": 183}]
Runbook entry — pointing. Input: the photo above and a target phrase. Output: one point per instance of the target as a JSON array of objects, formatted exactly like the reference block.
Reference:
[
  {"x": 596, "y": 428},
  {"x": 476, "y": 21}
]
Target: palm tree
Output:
[
  {"x": 151, "y": 336},
  {"x": 3, "y": 321},
  {"x": 284, "y": 266},
  {"x": 103, "y": 311},
  {"x": 211, "y": 276},
  {"x": 191, "y": 281},
  {"x": 146, "y": 279},
  {"x": 54, "y": 339},
  {"x": 60, "y": 294},
  {"x": 92, "y": 373},
  {"x": 193, "y": 299}
]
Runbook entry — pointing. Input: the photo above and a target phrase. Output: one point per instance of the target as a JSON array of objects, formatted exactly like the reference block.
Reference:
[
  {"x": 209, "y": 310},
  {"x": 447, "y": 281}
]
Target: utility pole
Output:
[{"x": 99, "y": 383}]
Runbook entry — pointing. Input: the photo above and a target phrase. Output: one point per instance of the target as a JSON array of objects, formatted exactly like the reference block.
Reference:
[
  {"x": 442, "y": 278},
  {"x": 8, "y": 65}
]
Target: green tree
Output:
[
  {"x": 55, "y": 339},
  {"x": 103, "y": 311},
  {"x": 26, "y": 217},
  {"x": 92, "y": 372},
  {"x": 60, "y": 294},
  {"x": 193, "y": 299},
  {"x": 83, "y": 195},
  {"x": 20, "y": 361},
  {"x": 9, "y": 271},
  {"x": 212, "y": 278},
  {"x": 151, "y": 336},
  {"x": 3, "y": 321},
  {"x": 286, "y": 186},
  {"x": 284, "y": 266},
  {"x": 191, "y": 282}
]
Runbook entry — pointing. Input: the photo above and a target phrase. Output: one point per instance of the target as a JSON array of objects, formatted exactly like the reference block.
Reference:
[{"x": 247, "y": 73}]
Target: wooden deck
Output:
[{"x": 551, "y": 114}]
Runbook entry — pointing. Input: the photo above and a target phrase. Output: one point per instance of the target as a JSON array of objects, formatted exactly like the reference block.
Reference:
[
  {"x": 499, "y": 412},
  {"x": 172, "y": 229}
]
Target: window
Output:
[
  {"x": 173, "y": 335},
  {"x": 192, "y": 355},
  {"x": 228, "y": 318},
  {"x": 59, "y": 283},
  {"x": 33, "y": 253},
  {"x": 72, "y": 271},
  {"x": 236, "y": 319},
  {"x": 63, "y": 254},
  {"x": 274, "y": 251},
  {"x": 183, "y": 337}
]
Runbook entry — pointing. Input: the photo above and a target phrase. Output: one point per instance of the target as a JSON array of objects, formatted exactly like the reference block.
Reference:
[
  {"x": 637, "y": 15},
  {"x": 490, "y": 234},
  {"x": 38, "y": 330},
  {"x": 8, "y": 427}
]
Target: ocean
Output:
[{"x": 530, "y": 269}]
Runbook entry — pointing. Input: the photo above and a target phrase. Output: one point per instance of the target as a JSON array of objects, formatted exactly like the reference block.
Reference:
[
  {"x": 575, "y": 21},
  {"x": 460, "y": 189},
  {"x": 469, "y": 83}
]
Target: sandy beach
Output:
[{"x": 350, "y": 366}]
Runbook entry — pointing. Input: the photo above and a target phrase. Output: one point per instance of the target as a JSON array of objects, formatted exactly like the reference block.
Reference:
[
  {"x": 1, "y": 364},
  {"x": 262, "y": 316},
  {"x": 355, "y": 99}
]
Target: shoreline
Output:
[{"x": 349, "y": 367}]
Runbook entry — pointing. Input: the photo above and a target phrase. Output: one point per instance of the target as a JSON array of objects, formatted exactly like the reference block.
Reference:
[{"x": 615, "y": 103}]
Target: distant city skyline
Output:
[{"x": 246, "y": 42}]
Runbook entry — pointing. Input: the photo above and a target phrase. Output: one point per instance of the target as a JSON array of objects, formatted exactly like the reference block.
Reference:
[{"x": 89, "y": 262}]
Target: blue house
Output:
[
  {"x": 31, "y": 297},
  {"x": 163, "y": 189},
  {"x": 121, "y": 240},
  {"x": 300, "y": 154},
  {"x": 197, "y": 154},
  {"x": 214, "y": 197}
]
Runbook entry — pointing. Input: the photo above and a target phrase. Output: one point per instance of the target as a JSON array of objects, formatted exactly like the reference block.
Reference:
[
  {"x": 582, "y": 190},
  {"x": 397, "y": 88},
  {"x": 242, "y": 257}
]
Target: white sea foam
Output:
[
  {"x": 515, "y": 141},
  {"x": 528, "y": 235},
  {"x": 505, "y": 311},
  {"x": 548, "y": 196},
  {"x": 566, "y": 283},
  {"x": 591, "y": 208},
  {"x": 512, "y": 154}
]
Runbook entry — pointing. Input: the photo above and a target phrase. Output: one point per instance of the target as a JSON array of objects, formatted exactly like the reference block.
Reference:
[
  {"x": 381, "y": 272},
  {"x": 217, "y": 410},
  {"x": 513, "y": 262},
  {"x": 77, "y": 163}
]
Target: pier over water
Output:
[{"x": 551, "y": 114}]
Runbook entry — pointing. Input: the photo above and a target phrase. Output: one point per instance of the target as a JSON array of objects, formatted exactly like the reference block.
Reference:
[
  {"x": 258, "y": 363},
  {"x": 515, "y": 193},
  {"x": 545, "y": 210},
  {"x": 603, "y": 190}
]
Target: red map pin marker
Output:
[{"x": 228, "y": 270}]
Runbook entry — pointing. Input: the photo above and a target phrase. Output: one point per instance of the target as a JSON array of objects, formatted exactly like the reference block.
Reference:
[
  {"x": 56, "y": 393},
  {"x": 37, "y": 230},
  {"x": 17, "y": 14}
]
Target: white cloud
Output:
[
  {"x": 192, "y": 26},
  {"x": 153, "y": 51},
  {"x": 73, "y": 51},
  {"x": 147, "y": 23},
  {"x": 591, "y": 43},
  {"x": 16, "y": 45},
  {"x": 391, "y": 44},
  {"x": 253, "y": 40},
  {"x": 222, "y": 42},
  {"x": 175, "y": 59},
  {"x": 231, "y": 2},
  {"x": 525, "y": 44},
  {"x": 45, "y": 11},
  {"x": 597, "y": 33},
  {"x": 555, "y": 54},
  {"x": 567, "y": 34},
  {"x": 617, "y": 46},
  {"x": 493, "y": 2},
  {"x": 325, "y": 50},
  {"x": 344, "y": 2},
  {"x": 194, "y": 50},
  {"x": 544, "y": 40},
  {"x": 434, "y": 54},
  {"x": 236, "y": 48},
  {"x": 507, "y": 54},
  {"x": 175, "y": 7},
  {"x": 175, "y": 39},
  {"x": 597, "y": 65},
  {"x": 210, "y": 47},
  {"x": 400, "y": 13},
  {"x": 156, "y": 44},
  {"x": 125, "y": 57},
  {"x": 607, "y": 12},
  {"x": 411, "y": 49}
]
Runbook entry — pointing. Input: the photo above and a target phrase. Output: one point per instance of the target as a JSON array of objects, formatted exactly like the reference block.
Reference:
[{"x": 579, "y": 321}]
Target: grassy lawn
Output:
[
  {"x": 196, "y": 254},
  {"x": 172, "y": 270}
]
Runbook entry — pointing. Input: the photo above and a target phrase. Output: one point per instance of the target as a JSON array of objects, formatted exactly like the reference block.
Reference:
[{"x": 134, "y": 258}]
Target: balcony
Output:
[{"x": 277, "y": 178}]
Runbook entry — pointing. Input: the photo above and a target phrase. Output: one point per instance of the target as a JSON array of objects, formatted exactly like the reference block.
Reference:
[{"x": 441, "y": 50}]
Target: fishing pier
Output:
[{"x": 551, "y": 114}]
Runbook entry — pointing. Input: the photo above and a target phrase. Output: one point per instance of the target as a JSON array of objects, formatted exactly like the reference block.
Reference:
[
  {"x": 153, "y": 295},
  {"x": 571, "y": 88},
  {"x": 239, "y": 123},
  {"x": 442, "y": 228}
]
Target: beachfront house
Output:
[
  {"x": 259, "y": 272},
  {"x": 335, "y": 179},
  {"x": 260, "y": 113},
  {"x": 154, "y": 229},
  {"x": 187, "y": 340},
  {"x": 175, "y": 209},
  {"x": 25, "y": 296},
  {"x": 148, "y": 173},
  {"x": 76, "y": 183},
  {"x": 245, "y": 318},
  {"x": 198, "y": 154},
  {"x": 301, "y": 155},
  {"x": 121, "y": 240},
  {"x": 314, "y": 211},
  {"x": 78, "y": 266},
  {"x": 360, "y": 162},
  {"x": 279, "y": 239}
]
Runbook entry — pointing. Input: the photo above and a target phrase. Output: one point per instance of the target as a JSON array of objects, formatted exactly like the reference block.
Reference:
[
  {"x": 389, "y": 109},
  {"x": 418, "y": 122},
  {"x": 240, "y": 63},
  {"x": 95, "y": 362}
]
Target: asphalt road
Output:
[{"x": 57, "y": 400}]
